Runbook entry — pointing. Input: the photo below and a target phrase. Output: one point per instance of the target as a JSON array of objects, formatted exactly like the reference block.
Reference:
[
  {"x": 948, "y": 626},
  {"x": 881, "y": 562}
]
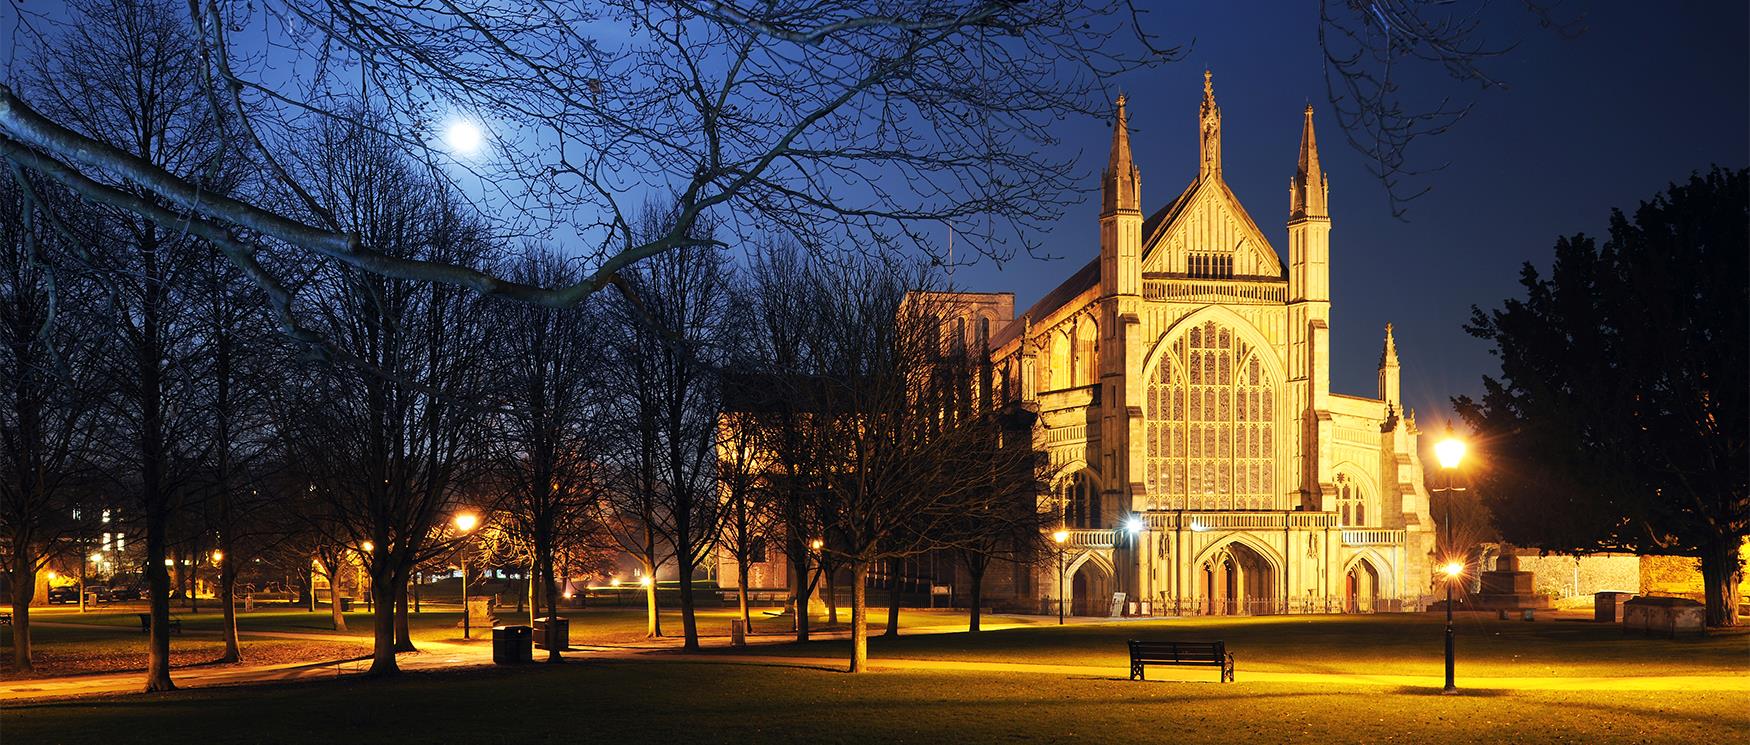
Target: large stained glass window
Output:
[{"x": 1211, "y": 433}]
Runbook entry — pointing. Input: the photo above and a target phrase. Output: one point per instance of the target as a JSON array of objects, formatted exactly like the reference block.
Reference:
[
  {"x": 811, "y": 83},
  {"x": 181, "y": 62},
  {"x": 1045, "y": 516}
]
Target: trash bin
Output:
[
  {"x": 737, "y": 633},
  {"x": 510, "y": 645},
  {"x": 346, "y": 605},
  {"x": 563, "y": 626}
]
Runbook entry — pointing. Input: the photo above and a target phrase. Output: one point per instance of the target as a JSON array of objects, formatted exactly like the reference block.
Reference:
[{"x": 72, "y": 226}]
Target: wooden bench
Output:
[
  {"x": 1198, "y": 654},
  {"x": 146, "y": 623},
  {"x": 5, "y": 619}
]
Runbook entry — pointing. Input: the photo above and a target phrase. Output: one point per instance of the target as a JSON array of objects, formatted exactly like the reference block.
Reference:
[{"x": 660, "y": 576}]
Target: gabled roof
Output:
[
  {"x": 1087, "y": 277},
  {"x": 1156, "y": 227}
]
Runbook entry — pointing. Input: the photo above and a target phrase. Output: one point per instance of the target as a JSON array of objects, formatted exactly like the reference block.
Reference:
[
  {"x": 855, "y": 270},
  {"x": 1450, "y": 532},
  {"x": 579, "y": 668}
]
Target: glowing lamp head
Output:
[
  {"x": 643, "y": 581},
  {"x": 54, "y": 576},
  {"x": 464, "y": 137},
  {"x": 615, "y": 582},
  {"x": 1453, "y": 570},
  {"x": 567, "y": 594},
  {"x": 816, "y": 544},
  {"x": 467, "y": 521},
  {"x": 368, "y": 546},
  {"x": 1449, "y": 451},
  {"x": 1060, "y": 536},
  {"x": 97, "y": 558},
  {"x": 219, "y": 556},
  {"x": 1134, "y": 525}
]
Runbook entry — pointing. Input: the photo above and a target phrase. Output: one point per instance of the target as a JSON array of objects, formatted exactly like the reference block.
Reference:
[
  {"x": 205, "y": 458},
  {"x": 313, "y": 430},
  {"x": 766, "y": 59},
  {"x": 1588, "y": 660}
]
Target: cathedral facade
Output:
[{"x": 1180, "y": 381}]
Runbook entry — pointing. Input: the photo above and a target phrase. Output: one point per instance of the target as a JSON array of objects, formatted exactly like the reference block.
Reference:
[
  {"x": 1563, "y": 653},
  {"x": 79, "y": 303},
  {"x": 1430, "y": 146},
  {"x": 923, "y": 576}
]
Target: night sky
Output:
[{"x": 1645, "y": 96}]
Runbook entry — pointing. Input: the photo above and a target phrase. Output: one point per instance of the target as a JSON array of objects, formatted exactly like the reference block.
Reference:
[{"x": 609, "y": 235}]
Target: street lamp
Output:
[
  {"x": 465, "y": 522},
  {"x": 1134, "y": 529},
  {"x": 1449, "y": 451},
  {"x": 1060, "y": 537}
]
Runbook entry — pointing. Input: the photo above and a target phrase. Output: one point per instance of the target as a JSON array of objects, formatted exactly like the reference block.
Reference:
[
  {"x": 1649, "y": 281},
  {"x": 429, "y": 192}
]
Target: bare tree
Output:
[
  {"x": 902, "y": 469},
  {"x": 777, "y": 391},
  {"x": 155, "y": 361},
  {"x": 394, "y": 434},
  {"x": 839, "y": 124},
  {"x": 48, "y": 337},
  {"x": 749, "y": 514},
  {"x": 668, "y": 365},
  {"x": 550, "y": 437}
]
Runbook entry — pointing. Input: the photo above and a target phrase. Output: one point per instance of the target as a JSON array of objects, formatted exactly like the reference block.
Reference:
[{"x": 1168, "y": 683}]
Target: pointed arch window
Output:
[
  {"x": 1211, "y": 425},
  {"x": 1353, "y": 508},
  {"x": 1080, "y": 501}
]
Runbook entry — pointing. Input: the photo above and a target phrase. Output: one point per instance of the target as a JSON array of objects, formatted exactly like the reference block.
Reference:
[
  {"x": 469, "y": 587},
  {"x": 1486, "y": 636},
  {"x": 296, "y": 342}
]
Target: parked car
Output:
[
  {"x": 124, "y": 594},
  {"x": 64, "y": 594}
]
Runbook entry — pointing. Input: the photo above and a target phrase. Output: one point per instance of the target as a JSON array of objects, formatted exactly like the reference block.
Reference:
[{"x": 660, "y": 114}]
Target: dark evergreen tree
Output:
[{"x": 1619, "y": 419}]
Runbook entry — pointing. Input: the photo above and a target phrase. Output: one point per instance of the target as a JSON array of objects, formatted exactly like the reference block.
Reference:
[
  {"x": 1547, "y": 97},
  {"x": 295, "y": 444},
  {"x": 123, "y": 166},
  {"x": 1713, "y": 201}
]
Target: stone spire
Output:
[
  {"x": 1121, "y": 185},
  {"x": 1208, "y": 132},
  {"x": 1389, "y": 387},
  {"x": 1309, "y": 189}
]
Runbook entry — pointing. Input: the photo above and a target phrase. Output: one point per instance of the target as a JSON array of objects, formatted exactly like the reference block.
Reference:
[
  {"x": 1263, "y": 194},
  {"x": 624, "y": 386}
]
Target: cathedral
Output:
[{"x": 1180, "y": 381}]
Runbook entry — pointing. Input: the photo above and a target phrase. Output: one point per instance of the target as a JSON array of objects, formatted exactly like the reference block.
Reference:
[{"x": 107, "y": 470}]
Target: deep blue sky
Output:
[{"x": 1649, "y": 93}]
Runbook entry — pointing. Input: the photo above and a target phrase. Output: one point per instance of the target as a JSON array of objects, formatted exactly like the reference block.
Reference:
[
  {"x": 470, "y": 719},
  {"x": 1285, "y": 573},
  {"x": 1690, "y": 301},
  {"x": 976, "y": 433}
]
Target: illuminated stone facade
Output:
[{"x": 1182, "y": 385}]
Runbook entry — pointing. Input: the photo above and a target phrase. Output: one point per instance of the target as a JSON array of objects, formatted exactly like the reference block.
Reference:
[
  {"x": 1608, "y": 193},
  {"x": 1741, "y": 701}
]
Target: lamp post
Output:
[
  {"x": 1133, "y": 528},
  {"x": 465, "y": 522},
  {"x": 1450, "y": 451},
  {"x": 1060, "y": 537}
]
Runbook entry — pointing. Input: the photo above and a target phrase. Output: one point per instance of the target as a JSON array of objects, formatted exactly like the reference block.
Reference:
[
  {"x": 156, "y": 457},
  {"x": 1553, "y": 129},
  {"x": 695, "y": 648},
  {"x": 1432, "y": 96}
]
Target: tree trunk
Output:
[
  {"x": 403, "y": 635},
  {"x": 338, "y": 618},
  {"x": 859, "y": 618},
  {"x": 894, "y": 568},
  {"x": 228, "y": 601},
  {"x": 309, "y": 588},
  {"x": 383, "y": 629},
  {"x": 1720, "y": 576},
  {"x": 653, "y": 625},
  {"x": 23, "y": 591},
  {"x": 976, "y": 574},
  {"x": 158, "y": 584},
  {"x": 800, "y": 587},
  {"x": 741, "y": 583},
  {"x": 554, "y": 643},
  {"x": 832, "y": 593},
  {"x": 689, "y": 624}
]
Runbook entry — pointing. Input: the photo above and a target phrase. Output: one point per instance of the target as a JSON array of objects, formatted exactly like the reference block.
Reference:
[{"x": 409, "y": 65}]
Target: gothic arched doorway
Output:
[
  {"x": 1361, "y": 587},
  {"x": 1237, "y": 580},
  {"x": 1091, "y": 590}
]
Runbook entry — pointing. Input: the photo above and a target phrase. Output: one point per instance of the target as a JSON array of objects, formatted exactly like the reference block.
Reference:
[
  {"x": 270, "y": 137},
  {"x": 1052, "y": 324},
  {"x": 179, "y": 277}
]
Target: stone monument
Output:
[{"x": 1508, "y": 589}]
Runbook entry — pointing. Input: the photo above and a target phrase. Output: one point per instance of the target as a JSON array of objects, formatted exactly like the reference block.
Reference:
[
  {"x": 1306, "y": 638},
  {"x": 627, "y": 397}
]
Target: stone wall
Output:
[{"x": 1561, "y": 576}]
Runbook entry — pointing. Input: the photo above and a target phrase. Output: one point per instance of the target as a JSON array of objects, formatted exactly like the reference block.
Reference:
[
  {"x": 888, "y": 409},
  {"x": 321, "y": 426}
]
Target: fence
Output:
[{"x": 1204, "y": 606}]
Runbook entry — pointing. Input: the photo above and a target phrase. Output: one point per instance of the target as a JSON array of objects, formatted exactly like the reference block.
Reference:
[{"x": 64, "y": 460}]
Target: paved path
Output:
[{"x": 440, "y": 655}]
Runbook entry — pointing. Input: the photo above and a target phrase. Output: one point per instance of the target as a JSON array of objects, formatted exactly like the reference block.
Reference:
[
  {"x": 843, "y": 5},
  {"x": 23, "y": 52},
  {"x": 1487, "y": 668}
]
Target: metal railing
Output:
[{"x": 1203, "y": 606}]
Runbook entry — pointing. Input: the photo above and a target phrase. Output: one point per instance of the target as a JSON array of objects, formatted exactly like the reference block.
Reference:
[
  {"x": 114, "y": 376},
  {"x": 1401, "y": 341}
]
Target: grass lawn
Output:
[
  {"x": 1408, "y": 644},
  {"x": 110, "y": 641},
  {"x": 98, "y": 649},
  {"x": 690, "y": 703}
]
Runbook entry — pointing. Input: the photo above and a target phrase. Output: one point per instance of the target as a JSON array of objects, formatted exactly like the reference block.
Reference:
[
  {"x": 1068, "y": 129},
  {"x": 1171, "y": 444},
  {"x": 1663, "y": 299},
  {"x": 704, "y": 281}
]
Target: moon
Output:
[{"x": 464, "y": 137}]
